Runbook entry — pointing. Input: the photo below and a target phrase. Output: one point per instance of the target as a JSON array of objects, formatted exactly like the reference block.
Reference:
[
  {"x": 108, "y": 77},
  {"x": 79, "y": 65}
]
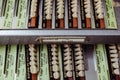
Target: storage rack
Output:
[
  {"x": 28, "y": 36},
  {"x": 93, "y": 36}
]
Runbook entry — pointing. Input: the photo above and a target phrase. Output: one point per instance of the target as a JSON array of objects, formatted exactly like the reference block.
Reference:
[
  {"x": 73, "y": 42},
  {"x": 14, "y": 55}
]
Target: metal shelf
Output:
[
  {"x": 30, "y": 36},
  {"x": 93, "y": 36},
  {"x": 37, "y": 32}
]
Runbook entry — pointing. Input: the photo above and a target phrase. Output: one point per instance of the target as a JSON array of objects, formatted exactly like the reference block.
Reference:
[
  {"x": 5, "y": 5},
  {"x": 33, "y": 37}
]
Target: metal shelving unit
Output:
[
  {"x": 93, "y": 36},
  {"x": 88, "y": 37}
]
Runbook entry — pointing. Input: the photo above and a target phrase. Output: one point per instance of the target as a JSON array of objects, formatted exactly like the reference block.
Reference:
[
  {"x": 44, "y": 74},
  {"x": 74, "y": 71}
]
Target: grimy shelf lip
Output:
[{"x": 37, "y": 32}]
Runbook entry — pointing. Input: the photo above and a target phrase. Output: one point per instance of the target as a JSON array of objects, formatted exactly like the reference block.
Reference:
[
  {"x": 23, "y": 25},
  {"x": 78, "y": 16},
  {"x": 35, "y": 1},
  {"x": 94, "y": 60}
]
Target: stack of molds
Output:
[
  {"x": 113, "y": 54},
  {"x": 57, "y": 14},
  {"x": 77, "y": 14},
  {"x": 107, "y": 61},
  {"x": 60, "y": 62}
]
